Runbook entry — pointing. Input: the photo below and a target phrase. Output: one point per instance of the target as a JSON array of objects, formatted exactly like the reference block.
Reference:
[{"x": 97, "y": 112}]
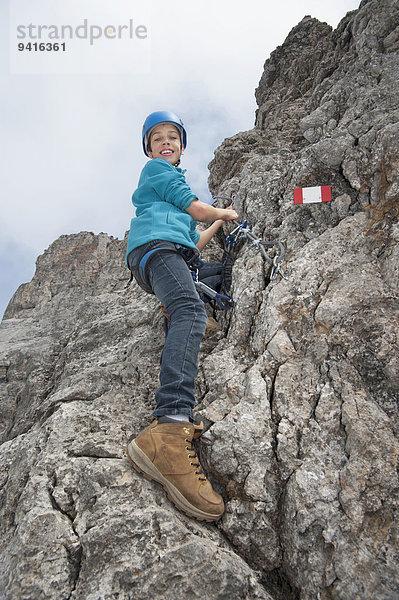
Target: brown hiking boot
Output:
[{"x": 165, "y": 452}]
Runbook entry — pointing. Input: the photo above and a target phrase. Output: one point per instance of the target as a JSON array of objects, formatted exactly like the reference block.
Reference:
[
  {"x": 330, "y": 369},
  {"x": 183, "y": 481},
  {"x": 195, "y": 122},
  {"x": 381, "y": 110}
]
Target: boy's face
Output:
[{"x": 165, "y": 143}]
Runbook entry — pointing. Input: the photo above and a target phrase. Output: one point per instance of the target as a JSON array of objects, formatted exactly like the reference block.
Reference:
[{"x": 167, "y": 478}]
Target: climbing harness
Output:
[
  {"x": 241, "y": 233},
  {"x": 194, "y": 263}
]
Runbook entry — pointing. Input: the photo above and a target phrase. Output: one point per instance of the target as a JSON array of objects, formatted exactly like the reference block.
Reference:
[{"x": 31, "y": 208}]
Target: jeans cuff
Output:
[{"x": 161, "y": 412}]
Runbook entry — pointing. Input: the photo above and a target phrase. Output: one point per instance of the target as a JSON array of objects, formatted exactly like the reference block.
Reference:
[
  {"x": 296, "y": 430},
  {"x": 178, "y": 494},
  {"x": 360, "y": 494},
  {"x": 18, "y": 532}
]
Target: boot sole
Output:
[{"x": 143, "y": 465}]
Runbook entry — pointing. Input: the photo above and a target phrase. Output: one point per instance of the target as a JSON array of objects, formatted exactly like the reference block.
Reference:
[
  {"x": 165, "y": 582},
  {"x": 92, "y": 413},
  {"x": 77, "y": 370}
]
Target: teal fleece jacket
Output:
[{"x": 161, "y": 197}]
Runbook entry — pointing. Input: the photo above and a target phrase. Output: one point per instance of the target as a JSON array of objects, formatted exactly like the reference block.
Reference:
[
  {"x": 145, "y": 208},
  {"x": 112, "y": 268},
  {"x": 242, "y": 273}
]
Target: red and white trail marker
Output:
[{"x": 309, "y": 195}]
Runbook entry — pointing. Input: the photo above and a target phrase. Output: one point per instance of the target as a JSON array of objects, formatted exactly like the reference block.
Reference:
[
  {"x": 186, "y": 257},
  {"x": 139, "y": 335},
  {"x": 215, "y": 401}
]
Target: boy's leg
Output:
[
  {"x": 172, "y": 283},
  {"x": 211, "y": 274},
  {"x": 166, "y": 451}
]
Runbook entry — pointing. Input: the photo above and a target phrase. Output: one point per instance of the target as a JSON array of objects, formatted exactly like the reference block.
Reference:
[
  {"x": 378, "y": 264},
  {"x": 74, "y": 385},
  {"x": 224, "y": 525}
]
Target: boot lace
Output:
[{"x": 199, "y": 446}]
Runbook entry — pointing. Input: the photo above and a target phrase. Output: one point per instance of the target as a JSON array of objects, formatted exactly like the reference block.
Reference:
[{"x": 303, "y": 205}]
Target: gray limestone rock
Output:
[{"x": 298, "y": 388}]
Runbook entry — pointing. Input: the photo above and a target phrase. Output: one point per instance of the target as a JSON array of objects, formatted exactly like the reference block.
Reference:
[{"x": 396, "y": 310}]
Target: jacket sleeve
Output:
[
  {"x": 194, "y": 235},
  {"x": 169, "y": 183}
]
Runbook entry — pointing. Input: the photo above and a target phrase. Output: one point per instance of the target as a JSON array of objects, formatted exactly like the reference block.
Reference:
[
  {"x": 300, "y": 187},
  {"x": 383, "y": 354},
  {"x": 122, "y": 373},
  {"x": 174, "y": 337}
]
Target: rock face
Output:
[{"x": 299, "y": 388}]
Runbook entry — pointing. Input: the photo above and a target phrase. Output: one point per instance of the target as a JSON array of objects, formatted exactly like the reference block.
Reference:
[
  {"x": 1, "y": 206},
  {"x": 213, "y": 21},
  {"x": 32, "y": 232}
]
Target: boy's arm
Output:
[
  {"x": 200, "y": 211},
  {"x": 207, "y": 235},
  {"x": 168, "y": 183}
]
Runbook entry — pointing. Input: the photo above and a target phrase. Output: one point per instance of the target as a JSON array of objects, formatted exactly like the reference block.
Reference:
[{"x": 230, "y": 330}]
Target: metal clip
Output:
[
  {"x": 242, "y": 229},
  {"x": 224, "y": 302},
  {"x": 276, "y": 269}
]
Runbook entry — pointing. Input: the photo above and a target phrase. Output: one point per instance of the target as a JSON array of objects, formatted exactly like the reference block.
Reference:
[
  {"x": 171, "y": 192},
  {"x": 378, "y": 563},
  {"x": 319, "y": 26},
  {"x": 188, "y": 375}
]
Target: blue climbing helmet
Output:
[{"x": 162, "y": 116}]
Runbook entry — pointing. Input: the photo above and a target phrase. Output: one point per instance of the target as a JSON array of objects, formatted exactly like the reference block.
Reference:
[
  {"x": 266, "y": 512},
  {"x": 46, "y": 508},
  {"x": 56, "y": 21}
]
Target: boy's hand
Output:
[
  {"x": 226, "y": 214},
  {"x": 229, "y": 214}
]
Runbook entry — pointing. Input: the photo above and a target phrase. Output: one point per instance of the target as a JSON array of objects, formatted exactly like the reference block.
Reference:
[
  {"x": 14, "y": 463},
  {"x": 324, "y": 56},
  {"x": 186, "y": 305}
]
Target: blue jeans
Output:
[{"x": 170, "y": 279}]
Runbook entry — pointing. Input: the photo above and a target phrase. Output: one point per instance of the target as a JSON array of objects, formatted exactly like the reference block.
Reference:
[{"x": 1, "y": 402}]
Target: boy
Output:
[{"x": 162, "y": 241}]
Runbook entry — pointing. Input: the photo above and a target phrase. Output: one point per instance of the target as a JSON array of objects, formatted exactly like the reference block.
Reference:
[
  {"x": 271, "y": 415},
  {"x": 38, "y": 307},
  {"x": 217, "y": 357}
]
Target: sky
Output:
[{"x": 71, "y": 120}]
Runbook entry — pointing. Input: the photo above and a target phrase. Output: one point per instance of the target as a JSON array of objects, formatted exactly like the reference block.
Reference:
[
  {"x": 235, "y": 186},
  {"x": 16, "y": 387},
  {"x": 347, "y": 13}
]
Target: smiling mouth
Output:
[{"x": 166, "y": 152}]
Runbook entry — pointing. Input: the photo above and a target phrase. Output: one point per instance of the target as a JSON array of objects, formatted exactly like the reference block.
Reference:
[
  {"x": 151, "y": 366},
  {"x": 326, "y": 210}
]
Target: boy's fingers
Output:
[{"x": 229, "y": 215}]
